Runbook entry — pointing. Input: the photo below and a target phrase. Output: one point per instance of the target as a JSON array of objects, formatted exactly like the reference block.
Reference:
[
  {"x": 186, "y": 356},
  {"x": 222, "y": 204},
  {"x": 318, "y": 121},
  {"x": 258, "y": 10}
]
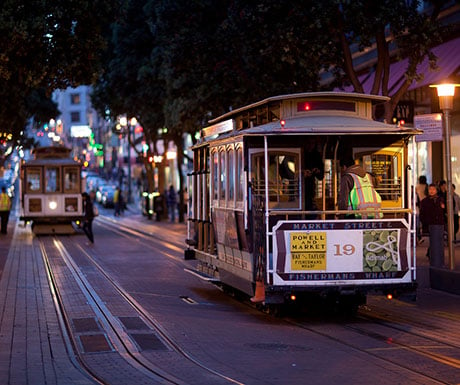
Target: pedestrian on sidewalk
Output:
[
  {"x": 171, "y": 201},
  {"x": 456, "y": 212},
  {"x": 5, "y": 207},
  {"x": 432, "y": 215},
  {"x": 421, "y": 189},
  {"x": 118, "y": 201},
  {"x": 88, "y": 211}
]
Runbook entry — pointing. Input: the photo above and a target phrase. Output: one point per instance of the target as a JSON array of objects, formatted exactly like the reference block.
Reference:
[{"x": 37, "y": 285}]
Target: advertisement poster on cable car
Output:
[{"x": 340, "y": 251}]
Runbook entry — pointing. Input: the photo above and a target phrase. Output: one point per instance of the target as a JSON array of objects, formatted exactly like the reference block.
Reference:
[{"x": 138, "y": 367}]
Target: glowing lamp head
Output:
[
  {"x": 52, "y": 205},
  {"x": 389, "y": 296},
  {"x": 446, "y": 89},
  {"x": 283, "y": 123},
  {"x": 446, "y": 94}
]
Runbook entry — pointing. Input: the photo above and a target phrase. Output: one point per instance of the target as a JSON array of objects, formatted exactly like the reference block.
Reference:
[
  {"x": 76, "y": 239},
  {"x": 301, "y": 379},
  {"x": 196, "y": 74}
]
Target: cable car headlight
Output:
[{"x": 52, "y": 205}]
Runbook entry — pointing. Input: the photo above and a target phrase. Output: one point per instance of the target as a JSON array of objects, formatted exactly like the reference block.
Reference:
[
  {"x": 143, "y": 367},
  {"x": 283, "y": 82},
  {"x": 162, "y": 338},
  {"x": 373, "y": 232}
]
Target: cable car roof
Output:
[
  {"x": 310, "y": 113},
  {"x": 51, "y": 162},
  {"x": 373, "y": 99},
  {"x": 329, "y": 125}
]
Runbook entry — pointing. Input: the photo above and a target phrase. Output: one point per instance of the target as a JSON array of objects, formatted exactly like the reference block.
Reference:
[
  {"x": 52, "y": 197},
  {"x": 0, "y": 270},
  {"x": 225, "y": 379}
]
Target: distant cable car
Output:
[{"x": 51, "y": 189}]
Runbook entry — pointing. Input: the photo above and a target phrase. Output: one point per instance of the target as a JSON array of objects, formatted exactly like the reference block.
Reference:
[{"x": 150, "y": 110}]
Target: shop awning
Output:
[{"x": 448, "y": 64}]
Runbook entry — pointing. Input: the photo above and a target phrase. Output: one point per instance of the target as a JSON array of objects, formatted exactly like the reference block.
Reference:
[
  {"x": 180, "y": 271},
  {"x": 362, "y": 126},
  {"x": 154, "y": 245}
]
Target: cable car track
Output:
[
  {"x": 125, "y": 230},
  {"x": 351, "y": 334},
  {"x": 55, "y": 253}
]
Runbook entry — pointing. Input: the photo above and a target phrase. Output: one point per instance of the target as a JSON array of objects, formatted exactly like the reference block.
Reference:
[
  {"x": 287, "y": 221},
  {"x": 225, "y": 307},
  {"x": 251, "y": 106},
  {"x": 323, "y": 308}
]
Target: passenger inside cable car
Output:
[{"x": 313, "y": 170}]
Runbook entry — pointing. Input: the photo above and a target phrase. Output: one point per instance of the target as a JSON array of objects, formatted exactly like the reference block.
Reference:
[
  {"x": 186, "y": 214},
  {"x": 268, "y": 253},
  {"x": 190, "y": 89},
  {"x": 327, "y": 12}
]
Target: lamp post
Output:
[
  {"x": 128, "y": 124},
  {"x": 446, "y": 94}
]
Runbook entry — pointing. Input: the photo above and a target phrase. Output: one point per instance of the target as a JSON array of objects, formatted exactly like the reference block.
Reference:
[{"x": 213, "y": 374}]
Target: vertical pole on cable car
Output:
[
  {"x": 259, "y": 294},
  {"x": 267, "y": 236},
  {"x": 413, "y": 214},
  {"x": 335, "y": 175}
]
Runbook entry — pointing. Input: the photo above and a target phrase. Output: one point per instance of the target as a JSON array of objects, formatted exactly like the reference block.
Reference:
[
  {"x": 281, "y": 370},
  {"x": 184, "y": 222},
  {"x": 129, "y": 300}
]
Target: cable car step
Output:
[{"x": 202, "y": 275}]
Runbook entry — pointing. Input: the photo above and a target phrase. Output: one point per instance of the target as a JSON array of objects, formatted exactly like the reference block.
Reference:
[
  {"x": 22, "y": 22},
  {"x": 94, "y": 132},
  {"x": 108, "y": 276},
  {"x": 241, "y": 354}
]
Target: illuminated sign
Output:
[
  {"x": 218, "y": 128},
  {"x": 308, "y": 251},
  {"x": 431, "y": 124},
  {"x": 80, "y": 131}
]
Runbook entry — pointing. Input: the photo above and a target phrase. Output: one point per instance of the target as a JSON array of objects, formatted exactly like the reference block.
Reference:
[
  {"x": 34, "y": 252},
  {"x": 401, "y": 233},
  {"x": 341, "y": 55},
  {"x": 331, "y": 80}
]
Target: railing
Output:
[
  {"x": 389, "y": 189},
  {"x": 285, "y": 189},
  {"x": 339, "y": 214}
]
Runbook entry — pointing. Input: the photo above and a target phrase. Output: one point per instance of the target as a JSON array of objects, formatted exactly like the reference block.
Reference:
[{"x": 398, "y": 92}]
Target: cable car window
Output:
[
  {"x": 215, "y": 175},
  {"x": 384, "y": 168},
  {"x": 230, "y": 175},
  {"x": 222, "y": 175},
  {"x": 283, "y": 178},
  {"x": 52, "y": 179},
  {"x": 239, "y": 174},
  {"x": 71, "y": 180},
  {"x": 33, "y": 180}
]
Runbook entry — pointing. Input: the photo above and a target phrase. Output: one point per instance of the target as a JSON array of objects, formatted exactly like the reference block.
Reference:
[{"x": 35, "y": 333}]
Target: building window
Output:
[
  {"x": 74, "y": 98},
  {"x": 75, "y": 116}
]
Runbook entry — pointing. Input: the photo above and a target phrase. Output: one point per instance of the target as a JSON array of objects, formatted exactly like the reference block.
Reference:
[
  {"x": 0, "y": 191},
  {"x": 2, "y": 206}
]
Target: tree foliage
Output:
[
  {"x": 44, "y": 45},
  {"x": 179, "y": 63},
  {"x": 396, "y": 29}
]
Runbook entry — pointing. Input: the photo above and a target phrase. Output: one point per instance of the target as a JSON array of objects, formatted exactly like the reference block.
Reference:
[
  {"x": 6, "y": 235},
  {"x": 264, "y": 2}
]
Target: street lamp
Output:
[
  {"x": 128, "y": 124},
  {"x": 446, "y": 94}
]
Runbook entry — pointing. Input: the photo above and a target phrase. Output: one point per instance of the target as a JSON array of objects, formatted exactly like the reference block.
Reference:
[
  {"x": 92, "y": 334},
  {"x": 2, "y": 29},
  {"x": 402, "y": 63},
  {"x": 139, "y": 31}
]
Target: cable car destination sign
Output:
[{"x": 340, "y": 250}]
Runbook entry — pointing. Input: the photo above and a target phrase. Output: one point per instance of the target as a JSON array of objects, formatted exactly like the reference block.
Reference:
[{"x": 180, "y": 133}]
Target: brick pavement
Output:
[{"x": 33, "y": 349}]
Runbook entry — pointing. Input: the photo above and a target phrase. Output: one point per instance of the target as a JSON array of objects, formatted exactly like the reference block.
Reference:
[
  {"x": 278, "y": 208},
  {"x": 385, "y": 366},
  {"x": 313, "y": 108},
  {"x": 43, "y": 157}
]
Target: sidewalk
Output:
[
  {"x": 33, "y": 348},
  {"x": 439, "y": 278}
]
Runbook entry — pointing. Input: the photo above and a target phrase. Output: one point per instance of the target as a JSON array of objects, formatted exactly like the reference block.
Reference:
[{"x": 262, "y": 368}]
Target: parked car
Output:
[{"x": 107, "y": 192}]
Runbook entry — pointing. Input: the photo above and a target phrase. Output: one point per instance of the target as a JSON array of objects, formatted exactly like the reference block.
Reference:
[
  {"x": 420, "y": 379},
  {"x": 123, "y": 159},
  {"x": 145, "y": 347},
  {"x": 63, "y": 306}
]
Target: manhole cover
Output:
[
  {"x": 133, "y": 323},
  {"x": 82, "y": 325},
  {"x": 148, "y": 342},
  {"x": 95, "y": 343}
]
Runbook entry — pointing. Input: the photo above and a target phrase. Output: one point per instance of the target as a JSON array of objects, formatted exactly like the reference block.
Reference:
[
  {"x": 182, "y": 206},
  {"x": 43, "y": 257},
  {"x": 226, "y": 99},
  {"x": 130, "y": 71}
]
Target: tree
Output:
[
  {"x": 397, "y": 29},
  {"x": 44, "y": 45},
  {"x": 130, "y": 84}
]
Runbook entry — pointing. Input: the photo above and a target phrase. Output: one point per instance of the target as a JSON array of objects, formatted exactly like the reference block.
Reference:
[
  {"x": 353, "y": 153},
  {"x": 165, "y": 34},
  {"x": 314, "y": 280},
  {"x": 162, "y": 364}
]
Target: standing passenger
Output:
[
  {"x": 357, "y": 191},
  {"x": 313, "y": 169},
  {"x": 5, "y": 207}
]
